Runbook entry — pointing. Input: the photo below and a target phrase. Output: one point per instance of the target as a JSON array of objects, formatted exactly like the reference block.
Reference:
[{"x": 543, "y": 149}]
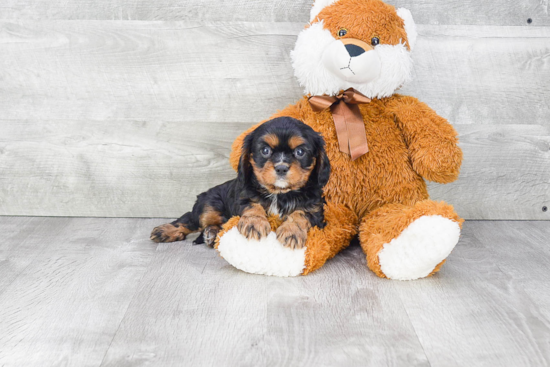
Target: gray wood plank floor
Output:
[{"x": 97, "y": 292}]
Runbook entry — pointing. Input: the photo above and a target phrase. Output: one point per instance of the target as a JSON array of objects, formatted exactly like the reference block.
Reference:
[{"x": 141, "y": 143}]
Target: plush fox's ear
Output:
[
  {"x": 410, "y": 26},
  {"x": 318, "y": 6}
]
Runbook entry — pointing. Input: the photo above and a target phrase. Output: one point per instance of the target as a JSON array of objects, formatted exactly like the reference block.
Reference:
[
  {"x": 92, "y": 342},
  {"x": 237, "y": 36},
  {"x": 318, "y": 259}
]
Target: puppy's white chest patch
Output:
[{"x": 274, "y": 208}]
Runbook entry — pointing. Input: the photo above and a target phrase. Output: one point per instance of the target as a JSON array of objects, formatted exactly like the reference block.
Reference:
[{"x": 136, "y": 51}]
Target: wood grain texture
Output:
[
  {"x": 352, "y": 316},
  {"x": 99, "y": 293},
  {"x": 483, "y": 75},
  {"x": 105, "y": 118},
  {"x": 116, "y": 169},
  {"x": 489, "y": 305},
  {"x": 24, "y": 239},
  {"x": 468, "y": 12},
  {"x": 504, "y": 174},
  {"x": 171, "y": 71},
  {"x": 148, "y": 169},
  {"x": 65, "y": 306},
  {"x": 172, "y": 10},
  {"x": 235, "y": 72},
  {"x": 514, "y": 252},
  {"x": 194, "y": 309}
]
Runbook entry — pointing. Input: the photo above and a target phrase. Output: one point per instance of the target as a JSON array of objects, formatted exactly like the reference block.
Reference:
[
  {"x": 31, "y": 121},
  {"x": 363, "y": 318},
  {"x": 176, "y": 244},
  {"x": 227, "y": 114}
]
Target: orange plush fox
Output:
[{"x": 380, "y": 151}]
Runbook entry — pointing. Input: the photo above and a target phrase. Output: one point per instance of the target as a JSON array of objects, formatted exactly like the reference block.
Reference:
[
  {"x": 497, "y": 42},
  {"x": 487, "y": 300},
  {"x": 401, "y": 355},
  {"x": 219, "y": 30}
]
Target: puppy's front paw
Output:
[
  {"x": 254, "y": 227},
  {"x": 291, "y": 235},
  {"x": 168, "y": 233},
  {"x": 210, "y": 234}
]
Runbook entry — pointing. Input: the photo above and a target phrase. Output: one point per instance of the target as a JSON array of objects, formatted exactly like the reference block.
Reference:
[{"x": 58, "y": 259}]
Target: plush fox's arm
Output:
[
  {"x": 432, "y": 140},
  {"x": 289, "y": 111}
]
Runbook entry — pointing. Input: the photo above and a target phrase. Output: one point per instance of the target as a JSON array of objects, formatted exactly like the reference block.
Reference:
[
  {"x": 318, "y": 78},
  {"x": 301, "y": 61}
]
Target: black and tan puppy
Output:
[{"x": 282, "y": 171}]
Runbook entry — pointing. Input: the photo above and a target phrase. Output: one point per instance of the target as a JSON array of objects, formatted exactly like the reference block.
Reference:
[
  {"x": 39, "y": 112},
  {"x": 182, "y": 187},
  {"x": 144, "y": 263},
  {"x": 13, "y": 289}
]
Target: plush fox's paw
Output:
[
  {"x": 169, "y": 233},
  {"x": 254, "y": 227},
  {"x": 269, "y": 256},
  {"x": 291, "y": 235}
]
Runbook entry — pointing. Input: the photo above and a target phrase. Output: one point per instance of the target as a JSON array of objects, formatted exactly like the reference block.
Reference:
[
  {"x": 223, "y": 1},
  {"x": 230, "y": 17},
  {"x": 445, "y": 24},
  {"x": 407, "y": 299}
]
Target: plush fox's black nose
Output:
[
  {"x": 281, "y": 169},
  {"x": 354, "y": 50}
]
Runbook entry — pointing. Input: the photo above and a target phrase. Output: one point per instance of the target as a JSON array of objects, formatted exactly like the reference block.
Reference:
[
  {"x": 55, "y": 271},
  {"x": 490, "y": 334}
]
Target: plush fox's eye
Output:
[
  {"x": 375, "y": 41},
  {"x": 342, "y": 32}
]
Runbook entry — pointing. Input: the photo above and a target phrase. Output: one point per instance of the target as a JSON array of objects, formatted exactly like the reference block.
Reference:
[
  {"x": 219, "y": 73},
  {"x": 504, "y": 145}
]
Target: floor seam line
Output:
[
  {"x": 412, "y": 325},
  {"x": 128, "y": 307}
]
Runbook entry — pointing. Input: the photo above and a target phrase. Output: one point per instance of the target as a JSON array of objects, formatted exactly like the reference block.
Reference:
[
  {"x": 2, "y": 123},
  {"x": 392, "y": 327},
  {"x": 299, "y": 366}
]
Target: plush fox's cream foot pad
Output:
[
  {"x": 266, "y": 256},
  {"x": 419, "y": 248}
]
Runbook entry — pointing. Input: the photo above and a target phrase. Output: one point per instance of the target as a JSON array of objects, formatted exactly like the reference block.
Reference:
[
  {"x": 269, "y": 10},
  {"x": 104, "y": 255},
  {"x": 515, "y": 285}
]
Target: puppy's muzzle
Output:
[{"x": 281, "y": 169}]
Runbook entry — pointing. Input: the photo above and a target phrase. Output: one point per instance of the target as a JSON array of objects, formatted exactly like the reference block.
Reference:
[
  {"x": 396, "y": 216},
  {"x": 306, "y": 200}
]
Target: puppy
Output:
[{"x": 282, "y": 171}]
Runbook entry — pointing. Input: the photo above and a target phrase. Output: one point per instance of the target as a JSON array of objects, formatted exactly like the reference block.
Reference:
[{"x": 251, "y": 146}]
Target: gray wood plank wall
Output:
[
  {"x": 467, "y": 12},
  {"x": 133, "y": 118}
]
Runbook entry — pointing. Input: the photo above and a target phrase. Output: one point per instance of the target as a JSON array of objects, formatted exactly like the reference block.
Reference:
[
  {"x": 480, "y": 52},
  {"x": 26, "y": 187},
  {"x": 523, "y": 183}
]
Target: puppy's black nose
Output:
[
  {"x": 281, "y": 169},
  {"x": 354, "y": 50}
]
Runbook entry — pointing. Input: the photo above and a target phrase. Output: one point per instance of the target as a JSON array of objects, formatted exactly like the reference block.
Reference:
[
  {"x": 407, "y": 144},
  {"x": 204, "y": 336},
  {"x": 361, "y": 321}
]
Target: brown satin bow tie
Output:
[{"x": 348, "y": 120}]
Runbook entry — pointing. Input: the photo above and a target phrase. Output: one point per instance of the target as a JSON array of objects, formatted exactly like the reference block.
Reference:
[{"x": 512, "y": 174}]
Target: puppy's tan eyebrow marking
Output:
[
  {"x": 295, "y": 141},
  {"x": 272, "y": 140}
]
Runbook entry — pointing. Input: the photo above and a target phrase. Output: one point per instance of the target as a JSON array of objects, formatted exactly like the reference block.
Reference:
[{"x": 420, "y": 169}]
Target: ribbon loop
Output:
[
  {"x": 321, "y": 103},
  {"x": 348, "y": 121}
]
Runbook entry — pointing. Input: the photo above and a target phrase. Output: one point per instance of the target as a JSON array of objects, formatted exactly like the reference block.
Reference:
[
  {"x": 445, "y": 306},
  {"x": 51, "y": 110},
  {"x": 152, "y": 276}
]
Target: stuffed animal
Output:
[{"x": 350, "y": 59}]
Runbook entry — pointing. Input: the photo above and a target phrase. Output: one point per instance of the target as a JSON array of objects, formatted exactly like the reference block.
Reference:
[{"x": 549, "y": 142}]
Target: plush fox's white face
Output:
[{"x": 361, "y": 44}]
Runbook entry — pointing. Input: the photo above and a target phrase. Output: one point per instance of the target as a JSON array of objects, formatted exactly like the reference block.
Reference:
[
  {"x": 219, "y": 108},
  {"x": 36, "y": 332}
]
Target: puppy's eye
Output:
[
  {"x": 299, "y": 152},
  {"x": 342, "y": 32},
  {"x": 266, "y": 152},
  {"x": 375, "y": 41}
]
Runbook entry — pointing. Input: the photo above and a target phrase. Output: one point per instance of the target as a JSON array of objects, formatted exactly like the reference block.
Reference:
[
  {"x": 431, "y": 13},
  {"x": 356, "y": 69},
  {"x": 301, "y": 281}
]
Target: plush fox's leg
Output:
[
  {"x": 270, "y": 257},
  {"x": 409, "y": 242},
  {"x": 324, "y": 244}
]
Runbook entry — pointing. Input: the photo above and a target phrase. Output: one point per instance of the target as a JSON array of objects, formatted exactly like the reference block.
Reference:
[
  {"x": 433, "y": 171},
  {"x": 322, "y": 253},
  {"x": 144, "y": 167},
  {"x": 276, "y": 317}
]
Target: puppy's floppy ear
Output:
[
  {"x": 323, "y": 167},
  {"x": 244, "y": 170},
  {"x": 322, "y": 164}
]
